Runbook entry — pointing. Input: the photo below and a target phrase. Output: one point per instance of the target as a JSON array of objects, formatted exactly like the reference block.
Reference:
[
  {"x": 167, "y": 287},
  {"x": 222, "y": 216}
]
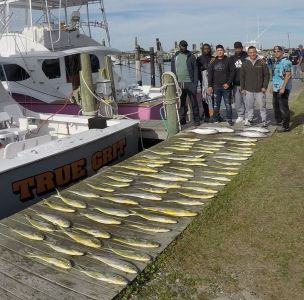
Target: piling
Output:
[
  {"x": 170, "y": 100},
  {"x": 152, "y": 66},
  {"x": 88, "y": 101},
  {"x": 160, "y": 59},
  {"x": 138, "y": 66},
  {"x": 109, "y": 68}
]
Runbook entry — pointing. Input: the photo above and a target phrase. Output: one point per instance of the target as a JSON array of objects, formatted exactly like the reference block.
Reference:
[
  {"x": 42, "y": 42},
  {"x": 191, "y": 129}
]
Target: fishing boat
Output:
[
  {"x": 46, "y": 139},
  {"x": 41, "y": 43}
]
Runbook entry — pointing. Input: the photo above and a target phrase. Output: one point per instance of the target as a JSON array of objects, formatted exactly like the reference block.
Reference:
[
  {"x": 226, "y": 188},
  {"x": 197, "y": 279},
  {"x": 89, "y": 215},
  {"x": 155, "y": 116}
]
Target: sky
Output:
[{"x": 196, "y": 21}]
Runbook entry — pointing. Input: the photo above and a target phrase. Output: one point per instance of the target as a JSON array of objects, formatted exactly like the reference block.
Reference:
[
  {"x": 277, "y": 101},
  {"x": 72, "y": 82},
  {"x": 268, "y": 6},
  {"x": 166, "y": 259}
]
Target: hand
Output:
[
  {"x": 225, "y": 86},
  {"x": 282, "y": 91},
  {"x": 210, "y": 90},
  {"x": 264, "y": 90},
  {"x": 243, "y": 92}
]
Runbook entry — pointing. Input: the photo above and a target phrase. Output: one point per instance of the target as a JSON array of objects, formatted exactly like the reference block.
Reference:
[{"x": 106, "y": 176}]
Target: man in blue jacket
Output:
[
  {"x": 184, "y": 66},
  {"x": 281, "y": 85}
]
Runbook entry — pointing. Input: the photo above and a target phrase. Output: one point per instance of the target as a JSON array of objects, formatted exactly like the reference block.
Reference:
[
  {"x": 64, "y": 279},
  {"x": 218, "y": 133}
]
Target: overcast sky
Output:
[{"x": 204, "y": 21}]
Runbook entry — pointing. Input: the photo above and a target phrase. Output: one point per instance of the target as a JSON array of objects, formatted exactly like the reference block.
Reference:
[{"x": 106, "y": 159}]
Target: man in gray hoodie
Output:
[{"x": 254, "y": 79}]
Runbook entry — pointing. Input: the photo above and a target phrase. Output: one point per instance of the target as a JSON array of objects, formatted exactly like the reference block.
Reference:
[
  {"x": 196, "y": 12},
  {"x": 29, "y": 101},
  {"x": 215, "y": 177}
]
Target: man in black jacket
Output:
[
  {"x": 220, "y": 78},
  {"x": 203, "y": 62},
  {"x": 184, "y": 66},
  {"x": 238, "y": 58}
]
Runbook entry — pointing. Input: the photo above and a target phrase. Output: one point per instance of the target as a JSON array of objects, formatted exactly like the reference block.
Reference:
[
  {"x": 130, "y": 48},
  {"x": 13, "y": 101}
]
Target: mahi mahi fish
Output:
[
  {"x": 84, "y": 194},
  {"x": 238, "y": 139},
  {"x": 141, "y": 243},
  {"x": 185, "y": 202},
  {"x": 31, "y": 235},
  {"x": 130, "y": 254},
  {"x": 139, "y": 168},
  {"x": 100, "y": 188},
  {"x": 175, "y": 212},
  {"x": 166, "y": 177},
  {"x": 208, "y": 182},
  {"x": 196, "y": 196},
  {"x": 230, "y": 163},
  {"x": 119, "y": 199},
  {"x": 57, "y": 206},
  {"x": 105, "y": 277},
  {"x": 64, "y": 250},
  {"x": 83, "y": 239},
  {"x": 222, "y": 173},
  {"x": 155, "y": 218},
  {"x": 204, "y": 131},
  {"x": 239, "y": 154},
  {"x": 219, "y": 178},
  {"x": 115, "y": 263},
  {"x": 71, "y": 202},
  {"x": 182, "y": 169},
  {"x": 193, "y": 163},
  {"x": 101, "y": 219},
  {"x": 222, "y": 129},
  {"x": 126, "y": 172},
  {"x": 147, "y": 196},
  {"x": 189, "y": 139},
  {"x": 148, "y": 228},
  {"x": 56, "y": 220},
  {"x": 98, "y": 233},
  {"x": 230, "y": 157},
  {"x": 181, "y": 174},
  {"x": 166, "y": 185},
  {"x": 120, "y": 178},
  {"x": 117, "y": 184},
  {"x": 57, "y": 262},
  {"x": 112, "y": 211},
  {"x": 153, "y": 190},
  {"x": 43, "y": 226},
  {"x": 200, "y": 189},
  {"x": 258, "y": 129}
]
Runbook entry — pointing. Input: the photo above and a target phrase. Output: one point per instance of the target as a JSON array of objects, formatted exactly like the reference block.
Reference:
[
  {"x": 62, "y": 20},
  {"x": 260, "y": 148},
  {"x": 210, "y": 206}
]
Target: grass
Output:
[{"x": 248, "y": 243}]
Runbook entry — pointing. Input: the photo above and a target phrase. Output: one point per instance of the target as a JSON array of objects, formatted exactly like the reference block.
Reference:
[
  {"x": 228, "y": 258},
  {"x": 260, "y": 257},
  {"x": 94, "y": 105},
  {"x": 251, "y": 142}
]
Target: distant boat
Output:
[{"x": 145, "y": 59}]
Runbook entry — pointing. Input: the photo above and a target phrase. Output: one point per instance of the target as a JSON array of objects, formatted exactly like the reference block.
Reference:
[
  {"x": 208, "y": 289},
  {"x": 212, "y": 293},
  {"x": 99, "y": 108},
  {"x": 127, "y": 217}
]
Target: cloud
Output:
[{"x": 197, "y": 21}]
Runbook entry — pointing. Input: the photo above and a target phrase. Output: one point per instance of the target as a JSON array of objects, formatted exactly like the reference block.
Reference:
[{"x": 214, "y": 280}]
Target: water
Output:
[{"x": 128, "y": 73}]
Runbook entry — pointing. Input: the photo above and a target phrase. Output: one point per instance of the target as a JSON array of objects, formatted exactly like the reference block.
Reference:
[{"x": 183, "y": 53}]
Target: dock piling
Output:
[
  {"x": 152, "y": 66},
  {"x": 138, "y": 66}
]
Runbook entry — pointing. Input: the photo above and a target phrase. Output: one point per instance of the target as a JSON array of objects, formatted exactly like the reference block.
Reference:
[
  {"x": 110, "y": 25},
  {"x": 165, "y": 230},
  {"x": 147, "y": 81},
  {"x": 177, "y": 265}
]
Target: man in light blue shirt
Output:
[{"x": 281, "y": 84}]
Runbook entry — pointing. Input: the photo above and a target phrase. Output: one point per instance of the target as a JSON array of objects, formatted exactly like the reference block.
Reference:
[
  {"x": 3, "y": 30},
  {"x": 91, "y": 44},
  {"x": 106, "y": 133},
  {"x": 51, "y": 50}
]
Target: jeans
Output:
[
  {"x": 296, "y": 71},
  {"x": 281, "y": 108},
  {"x": 239, "y": 102},
  {"x": 188, "y": 90},
  {"x": 250, "y": 98},
  {"x": 219, "y": 93}
]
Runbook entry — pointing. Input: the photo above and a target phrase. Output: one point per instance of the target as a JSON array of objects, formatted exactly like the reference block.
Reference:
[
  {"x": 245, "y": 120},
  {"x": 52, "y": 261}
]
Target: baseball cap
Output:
[
  {"x": 278, "y": 48},
  {"x": 183, "y": 43},
  {"x": 238, "y": 45},
  {"x": 219, "y": 46}
]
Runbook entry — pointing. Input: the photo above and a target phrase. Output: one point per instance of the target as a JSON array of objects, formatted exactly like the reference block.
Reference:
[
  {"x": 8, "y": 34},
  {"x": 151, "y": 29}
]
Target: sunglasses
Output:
[{"x": 277, "y": 51}]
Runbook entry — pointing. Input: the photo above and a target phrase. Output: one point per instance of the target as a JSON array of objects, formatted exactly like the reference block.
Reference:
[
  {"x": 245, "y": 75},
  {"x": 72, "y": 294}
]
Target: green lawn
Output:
[{"x": 249, "y": 242}]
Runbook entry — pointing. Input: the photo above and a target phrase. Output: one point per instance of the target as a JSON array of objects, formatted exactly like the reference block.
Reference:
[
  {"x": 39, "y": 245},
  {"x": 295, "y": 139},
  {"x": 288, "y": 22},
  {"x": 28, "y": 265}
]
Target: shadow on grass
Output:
[{"x": 296, "y": 120}]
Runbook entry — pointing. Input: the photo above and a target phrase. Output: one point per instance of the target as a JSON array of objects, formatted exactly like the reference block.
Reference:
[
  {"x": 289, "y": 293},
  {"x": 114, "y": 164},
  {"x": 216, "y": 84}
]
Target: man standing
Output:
[
  {"x": 184, "y": 66},
  {"x": 281, "y": 84},
  {"x": 296, "y": 59},
  {"x": 238, "y": 59},
  {"x": 254, "y": 79},
  {"x": 220, "y": 78},
  {"x": 203, "y": 62}
]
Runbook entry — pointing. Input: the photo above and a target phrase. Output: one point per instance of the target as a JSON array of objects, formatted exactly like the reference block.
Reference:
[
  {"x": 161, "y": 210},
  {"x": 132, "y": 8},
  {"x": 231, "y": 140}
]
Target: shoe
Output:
[
  {"x": 283, "y": 129},
  {"x": 230, "y": 123},
  {"x": 197, "y": 123},
  {"x": 239, "y": 120},
  {"x": 264, "y": 124},
  {"x": 248, "y": 122}
]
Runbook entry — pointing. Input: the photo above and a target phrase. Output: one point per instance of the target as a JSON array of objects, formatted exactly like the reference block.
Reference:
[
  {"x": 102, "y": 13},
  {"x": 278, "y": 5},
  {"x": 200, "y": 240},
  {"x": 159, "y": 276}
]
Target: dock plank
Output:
[{"x": 6, "y": 295}]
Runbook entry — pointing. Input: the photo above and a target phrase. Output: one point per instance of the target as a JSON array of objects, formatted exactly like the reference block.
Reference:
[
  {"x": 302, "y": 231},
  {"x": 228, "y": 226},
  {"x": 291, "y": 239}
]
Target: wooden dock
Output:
[{"x": 23, "y": 277}]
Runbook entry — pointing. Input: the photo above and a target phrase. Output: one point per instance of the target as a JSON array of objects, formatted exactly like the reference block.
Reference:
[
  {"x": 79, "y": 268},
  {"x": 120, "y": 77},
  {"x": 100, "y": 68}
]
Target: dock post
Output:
[
  {"x": 170, "y": 101},
  {"x": 152, "y": 66},
  {"x": 138, "y": 66},
  {"x": 88, "y": 102},
  {"x": 160, "y": 59},
  {"x": 109, "y": 68}
]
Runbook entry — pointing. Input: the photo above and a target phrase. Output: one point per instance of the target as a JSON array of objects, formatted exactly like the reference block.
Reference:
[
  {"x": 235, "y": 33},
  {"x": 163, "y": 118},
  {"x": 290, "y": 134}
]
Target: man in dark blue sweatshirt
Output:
[
  {"x": 220, "y": 77},
  {"x": 184, "y": 66}
]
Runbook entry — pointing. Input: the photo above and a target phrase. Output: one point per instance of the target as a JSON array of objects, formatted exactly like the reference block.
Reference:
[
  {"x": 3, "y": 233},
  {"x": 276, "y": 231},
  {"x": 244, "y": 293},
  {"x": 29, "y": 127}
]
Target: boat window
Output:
[
  {"x": 51, "y": 68},
  {"x": 13, "y": 72},
  {"x": 94, "y": 63}
]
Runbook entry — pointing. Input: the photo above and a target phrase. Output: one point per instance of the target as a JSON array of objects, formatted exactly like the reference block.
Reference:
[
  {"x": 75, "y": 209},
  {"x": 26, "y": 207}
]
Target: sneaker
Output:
[
  {"x": 283, "y": 129},
  {"x": 248, "y": 122},
  {"x": 239, "y": 120},
  {"x": 230, "y": 123},
  {"x": 264, "y": 124}
]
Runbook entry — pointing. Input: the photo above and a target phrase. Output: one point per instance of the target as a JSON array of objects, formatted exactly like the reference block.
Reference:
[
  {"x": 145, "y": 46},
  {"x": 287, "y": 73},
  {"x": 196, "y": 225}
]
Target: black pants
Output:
[
  {"x": 281, "y": 108},
  {"x": 183, "y": 105}
]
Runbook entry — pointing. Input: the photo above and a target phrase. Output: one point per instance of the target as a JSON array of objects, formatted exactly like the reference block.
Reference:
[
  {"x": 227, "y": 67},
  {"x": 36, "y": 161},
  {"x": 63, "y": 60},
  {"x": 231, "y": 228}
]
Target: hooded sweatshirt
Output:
[{"x": 238, "y": 61}]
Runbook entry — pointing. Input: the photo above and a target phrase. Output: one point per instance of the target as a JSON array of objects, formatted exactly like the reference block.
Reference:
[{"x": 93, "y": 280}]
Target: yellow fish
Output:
[
  {"x": 175, "y": 212},
  {"x": 196, "y": 196},
  {"x": 36, "y": 236},
  {"x": 136, "y": 242},
  {"x": 66, "y": 251},
  {"x": 130, "y": 254},
  {"x": 139, "y": 168},
  {"x": 155, "y": 218},
  {"x": 43, "y": 226},
  {"x": 120, "y": 178},
  {"x": 83, "y": 239},
  {"x": 58, "y": 207},
  {"x": 71, "y": 202},
  {"x": 100, "y": 188},
  {"x": 57, "y": 262}
]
